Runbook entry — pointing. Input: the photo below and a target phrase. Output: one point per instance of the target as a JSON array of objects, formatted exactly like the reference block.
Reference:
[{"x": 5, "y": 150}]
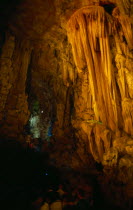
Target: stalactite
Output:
[
  {"x": 126, "y": 28},
  {"x": 124, "y": 6},
  {"x": 129, "y": 79},
  {"x": 124, "y": 62},
  {"x": 14, "y": 111},
  {"x": 71, "y": 75},
  {"x": 6, "y": 71},
  {"x": 93, "y": 147},
  {"x": 86, "y": 28},
  {"x": 127, "y": 109},
  {"x": 90, "y": 31},
  {"x": 65, "y": 72}
]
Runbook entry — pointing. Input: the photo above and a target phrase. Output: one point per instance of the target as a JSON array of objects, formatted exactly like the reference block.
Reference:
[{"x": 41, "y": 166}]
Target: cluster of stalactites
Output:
[
  {"x": 123, "y": 26},
  {"x": 125, "y": 6},
  {"x": 88, "y": 31},
  {"x": 100, "y": 24},
  {"x": 88, "y": 21}
]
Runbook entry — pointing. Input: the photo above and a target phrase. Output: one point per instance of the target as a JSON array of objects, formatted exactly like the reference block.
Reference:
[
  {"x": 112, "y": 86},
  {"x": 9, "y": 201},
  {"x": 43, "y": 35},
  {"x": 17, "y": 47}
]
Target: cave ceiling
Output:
[{"x": 33, "y": 20}]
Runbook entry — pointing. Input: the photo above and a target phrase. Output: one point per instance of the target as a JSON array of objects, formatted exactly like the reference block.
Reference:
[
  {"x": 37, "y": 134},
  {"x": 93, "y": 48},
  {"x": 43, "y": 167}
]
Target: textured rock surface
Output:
[
  {"x": 76, "y": 81},
  {"x": 14, "y": 111},
  {"x": 103, "y": 103}
]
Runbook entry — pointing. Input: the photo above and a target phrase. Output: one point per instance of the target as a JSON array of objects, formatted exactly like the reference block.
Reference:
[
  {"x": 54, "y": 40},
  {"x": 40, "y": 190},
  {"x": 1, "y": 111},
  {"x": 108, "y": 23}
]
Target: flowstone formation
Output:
[{"x": 102, "y": 45}]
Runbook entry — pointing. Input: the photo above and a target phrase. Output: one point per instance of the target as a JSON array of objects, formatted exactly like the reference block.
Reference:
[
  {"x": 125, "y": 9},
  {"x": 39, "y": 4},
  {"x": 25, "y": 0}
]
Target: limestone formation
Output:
[
  {"x": 109, "y": 86},
  {"x": 66, "y": 74}
]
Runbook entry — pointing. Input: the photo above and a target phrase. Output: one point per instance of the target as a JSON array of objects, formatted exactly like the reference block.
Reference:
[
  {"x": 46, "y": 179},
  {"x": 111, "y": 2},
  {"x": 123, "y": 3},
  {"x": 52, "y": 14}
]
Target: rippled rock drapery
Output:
[
  {"x": 104, "y": 104},
  {"x": 91, "y": 50}
]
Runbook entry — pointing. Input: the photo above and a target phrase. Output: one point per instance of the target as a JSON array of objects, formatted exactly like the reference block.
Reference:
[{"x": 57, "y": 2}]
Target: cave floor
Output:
[{"x": 26, "y": 176}]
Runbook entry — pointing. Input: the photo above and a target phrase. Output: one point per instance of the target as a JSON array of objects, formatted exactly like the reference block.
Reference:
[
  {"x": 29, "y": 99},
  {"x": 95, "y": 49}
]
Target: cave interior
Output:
[{"x": 66, "y": 99}]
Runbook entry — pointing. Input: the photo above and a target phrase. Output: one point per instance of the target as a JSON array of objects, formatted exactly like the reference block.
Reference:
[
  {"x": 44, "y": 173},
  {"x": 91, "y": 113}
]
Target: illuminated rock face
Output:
[
  {"x": 109, "y": 94},
  {"x": 75, "y": 59},
  {"x": 102, "y": 46}
]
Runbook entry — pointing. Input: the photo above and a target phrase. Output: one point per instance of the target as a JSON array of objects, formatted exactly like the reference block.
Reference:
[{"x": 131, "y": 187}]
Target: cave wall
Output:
[
  {"x": 14, "y": 111},
  {"x": 22, "y": 33}
]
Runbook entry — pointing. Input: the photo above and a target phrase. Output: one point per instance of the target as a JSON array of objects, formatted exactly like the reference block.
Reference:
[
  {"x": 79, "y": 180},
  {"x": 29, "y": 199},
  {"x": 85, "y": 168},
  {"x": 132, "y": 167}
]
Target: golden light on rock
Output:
[{"x": 90, "y": 31}]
